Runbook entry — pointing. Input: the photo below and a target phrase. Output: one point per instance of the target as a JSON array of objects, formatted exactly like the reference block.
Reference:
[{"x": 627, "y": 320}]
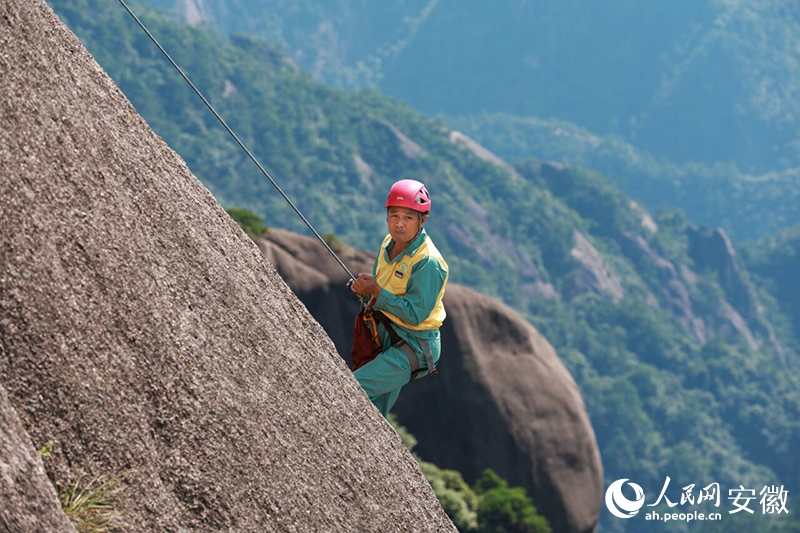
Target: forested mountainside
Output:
[
  {"x": 774, "y": 262},
  {"x": 688, "y": 368},
  {"x": 749, "y": 206},
  {"x": 693, "y": 104},
  {"x": 701, "y": 81}
]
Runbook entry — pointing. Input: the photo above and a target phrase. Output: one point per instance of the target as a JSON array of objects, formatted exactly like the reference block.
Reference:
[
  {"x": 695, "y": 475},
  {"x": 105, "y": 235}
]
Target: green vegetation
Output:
[
  {"x": 457, "y": 498},
  {"x": 692, "y": 80},
  {"x": 334, "y": 242},
  {"x": 748, "y": 205},
  {"x": 248, "y": 221},
  {"x": 775, "y": 262},
  {"x": 91, "y": 505},
  {"x": 491, "y": 506},
  {"x": 504, "y": 509},
  {"x": 46, "y": 450},
  {"x": 679, "y": 378}
]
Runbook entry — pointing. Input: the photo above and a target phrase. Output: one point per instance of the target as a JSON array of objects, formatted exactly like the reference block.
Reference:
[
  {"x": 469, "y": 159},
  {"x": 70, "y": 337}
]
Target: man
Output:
[{"x": 407, "y": 285}]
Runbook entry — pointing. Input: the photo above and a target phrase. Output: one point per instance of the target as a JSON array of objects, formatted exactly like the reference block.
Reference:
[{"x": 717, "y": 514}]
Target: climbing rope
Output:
[{"x": 240, "y": 143}]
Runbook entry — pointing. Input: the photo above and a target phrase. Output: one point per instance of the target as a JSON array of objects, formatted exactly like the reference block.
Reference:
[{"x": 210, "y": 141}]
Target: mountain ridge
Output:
[
  {"x": 702, "y": 90},
  {"x": 697, "y": 65}
]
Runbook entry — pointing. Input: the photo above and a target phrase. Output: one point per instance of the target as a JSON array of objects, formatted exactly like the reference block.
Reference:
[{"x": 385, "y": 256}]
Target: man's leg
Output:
[
  {"x": 385, "y": 402},
  {"x": 383, "y": 377}
]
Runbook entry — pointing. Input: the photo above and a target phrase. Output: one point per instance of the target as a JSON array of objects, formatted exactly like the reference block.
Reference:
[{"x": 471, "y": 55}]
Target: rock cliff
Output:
[{"x": 145, "y": 335}]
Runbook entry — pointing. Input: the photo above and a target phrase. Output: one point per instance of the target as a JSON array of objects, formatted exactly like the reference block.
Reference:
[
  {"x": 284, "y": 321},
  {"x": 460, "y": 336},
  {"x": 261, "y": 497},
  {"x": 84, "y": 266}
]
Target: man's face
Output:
[{"x": 404, "y": 224}]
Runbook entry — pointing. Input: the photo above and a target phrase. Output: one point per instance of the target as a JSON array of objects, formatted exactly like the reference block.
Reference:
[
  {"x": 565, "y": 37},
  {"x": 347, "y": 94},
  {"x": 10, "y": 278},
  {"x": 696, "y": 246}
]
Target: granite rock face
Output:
[
  {"x": 145, "y": 335},
  {"x": 502, "y": 400},
  {"x": 29, "y": 499}
]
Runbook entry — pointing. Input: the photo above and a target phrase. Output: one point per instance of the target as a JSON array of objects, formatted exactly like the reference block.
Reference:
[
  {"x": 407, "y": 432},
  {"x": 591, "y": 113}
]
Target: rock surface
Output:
[
  {"x": 29, "y": 499},
  {"x": 145, "y": 335},
  {"x": 503, "y": 399}
]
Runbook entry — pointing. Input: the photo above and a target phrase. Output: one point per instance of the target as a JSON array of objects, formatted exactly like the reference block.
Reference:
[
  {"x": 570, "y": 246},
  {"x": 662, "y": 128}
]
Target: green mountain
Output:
[
  {"x": 692, "y": 104},
  {"x": 775, "y": 261},
  {"x": 702, "y": 81},
  {"x": 687, "y": 363},
  {"x": 748, "y": 206},
  {"x": 349, "y": 44}
]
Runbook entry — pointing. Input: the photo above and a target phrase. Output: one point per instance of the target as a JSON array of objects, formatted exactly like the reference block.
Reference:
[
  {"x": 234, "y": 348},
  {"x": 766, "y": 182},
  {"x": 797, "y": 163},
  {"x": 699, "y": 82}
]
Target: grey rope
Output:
[{"x": 241, "y": 144}]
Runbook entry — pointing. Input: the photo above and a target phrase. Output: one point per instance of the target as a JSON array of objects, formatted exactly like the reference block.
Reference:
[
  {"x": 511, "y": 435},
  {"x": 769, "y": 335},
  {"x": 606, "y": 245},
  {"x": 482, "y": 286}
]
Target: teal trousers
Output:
[{"x": 383, "y": 377}]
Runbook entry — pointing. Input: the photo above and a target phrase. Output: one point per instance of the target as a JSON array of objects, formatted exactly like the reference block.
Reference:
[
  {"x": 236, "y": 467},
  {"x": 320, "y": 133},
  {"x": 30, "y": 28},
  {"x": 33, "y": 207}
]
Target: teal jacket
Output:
[{"x": 424, "y": 289}]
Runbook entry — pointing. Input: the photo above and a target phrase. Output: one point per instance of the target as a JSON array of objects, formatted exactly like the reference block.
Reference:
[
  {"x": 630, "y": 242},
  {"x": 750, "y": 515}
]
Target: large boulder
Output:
[
  {"x": 145, "y": 335},
  {"x": 502, "y": 400}
]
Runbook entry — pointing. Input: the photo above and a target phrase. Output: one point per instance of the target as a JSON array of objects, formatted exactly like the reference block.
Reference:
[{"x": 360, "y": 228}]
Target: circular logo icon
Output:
[{"x": 621, "y": 506}]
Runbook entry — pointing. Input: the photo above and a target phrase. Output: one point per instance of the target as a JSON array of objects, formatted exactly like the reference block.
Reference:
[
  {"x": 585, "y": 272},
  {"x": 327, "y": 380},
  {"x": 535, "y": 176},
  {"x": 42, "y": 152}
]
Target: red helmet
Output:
[{"x": 411, "y": 194}]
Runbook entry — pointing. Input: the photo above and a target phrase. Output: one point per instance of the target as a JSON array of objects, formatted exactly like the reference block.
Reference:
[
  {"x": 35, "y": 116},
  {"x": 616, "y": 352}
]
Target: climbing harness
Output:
[
  {"x": 232, "y": 134},
  {"x": 406, "y": 348},
  {"x": 367, "y": 342}
]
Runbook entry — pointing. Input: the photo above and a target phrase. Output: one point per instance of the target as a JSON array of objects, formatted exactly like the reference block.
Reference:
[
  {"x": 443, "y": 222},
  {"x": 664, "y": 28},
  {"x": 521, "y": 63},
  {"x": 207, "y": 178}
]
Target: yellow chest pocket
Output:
[{"x": 395, "y": 280}]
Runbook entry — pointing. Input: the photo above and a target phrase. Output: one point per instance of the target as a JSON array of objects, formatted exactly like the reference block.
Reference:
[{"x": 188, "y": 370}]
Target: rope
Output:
[{"x": 240, "y": 143}]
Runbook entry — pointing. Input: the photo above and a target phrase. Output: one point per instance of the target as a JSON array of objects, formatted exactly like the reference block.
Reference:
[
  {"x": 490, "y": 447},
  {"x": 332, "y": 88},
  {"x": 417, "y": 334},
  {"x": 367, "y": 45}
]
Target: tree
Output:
[
  {"x": 504, "y": 509},
  {"x": 249, "y": 222}
]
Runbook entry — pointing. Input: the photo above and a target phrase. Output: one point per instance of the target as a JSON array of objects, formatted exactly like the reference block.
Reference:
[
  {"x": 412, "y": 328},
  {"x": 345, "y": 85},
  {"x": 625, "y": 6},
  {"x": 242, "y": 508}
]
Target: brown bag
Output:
[{"x": 366, "y": 342}]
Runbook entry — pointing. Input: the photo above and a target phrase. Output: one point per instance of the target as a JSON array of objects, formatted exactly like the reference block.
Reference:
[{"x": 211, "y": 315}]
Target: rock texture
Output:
[
  {"x": 29, "y": 501},
  {"x": 503, "y": 399},
  {"x": 713, "y": 250},
  {"x": 145, "y": 334},
  {"x": 594, "y": 275},
  {"x": 674, "y": 292}
]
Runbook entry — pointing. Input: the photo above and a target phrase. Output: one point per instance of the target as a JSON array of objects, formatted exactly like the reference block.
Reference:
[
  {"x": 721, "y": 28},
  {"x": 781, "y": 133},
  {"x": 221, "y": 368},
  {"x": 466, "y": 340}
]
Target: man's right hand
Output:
[{"x": 366, "y": 285}]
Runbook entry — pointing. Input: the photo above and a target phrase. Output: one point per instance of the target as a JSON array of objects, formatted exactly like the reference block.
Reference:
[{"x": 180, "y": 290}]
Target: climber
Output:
[{"x": 406, "y": 286}]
